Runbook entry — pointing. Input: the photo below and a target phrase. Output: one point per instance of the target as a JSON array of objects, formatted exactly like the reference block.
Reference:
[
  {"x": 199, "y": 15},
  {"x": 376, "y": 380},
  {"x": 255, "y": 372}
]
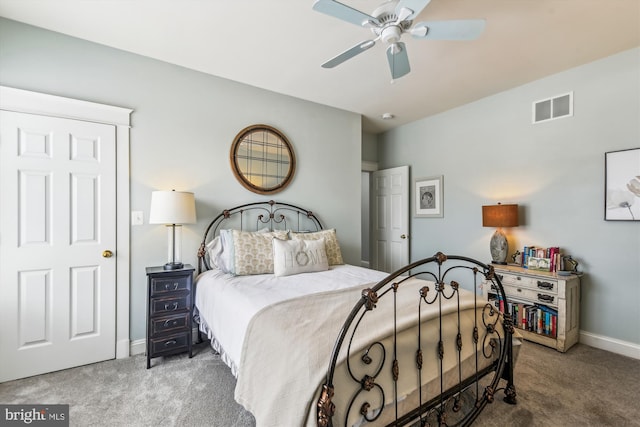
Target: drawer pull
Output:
[
  {"x": 545, "y": 298},
  {"x": 168, "y": 286},
  {"x": 171, "y": 342},
  {"x": 545, "y": 285},
  {"x": 171, "y": 307},
  {"x": 170, "y": 322}
]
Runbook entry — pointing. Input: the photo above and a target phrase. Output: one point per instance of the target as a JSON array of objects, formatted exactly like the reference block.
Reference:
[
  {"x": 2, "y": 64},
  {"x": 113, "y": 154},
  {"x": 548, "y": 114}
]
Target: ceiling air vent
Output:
[{"x": 553, "y": 108}]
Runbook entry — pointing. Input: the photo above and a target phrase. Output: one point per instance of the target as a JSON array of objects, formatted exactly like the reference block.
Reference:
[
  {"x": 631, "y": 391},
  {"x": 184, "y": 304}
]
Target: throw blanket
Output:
[{"x": 287, "y": 347}]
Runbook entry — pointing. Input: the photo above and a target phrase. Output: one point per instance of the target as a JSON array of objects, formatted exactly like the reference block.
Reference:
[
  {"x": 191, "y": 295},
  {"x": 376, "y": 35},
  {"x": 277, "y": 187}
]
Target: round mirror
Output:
[{"x": 262, "y": 159}]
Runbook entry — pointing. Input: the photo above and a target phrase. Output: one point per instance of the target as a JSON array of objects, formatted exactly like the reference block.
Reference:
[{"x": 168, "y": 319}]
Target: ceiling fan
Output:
[{"x": 388, "y": 22}]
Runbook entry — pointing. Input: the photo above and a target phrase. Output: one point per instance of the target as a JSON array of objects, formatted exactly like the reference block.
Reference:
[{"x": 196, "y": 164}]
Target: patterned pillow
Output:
[
  {"x": 253, "y": 251},
  {"x": 334, "y": 254},
  {"x": 299, "y": 256}
]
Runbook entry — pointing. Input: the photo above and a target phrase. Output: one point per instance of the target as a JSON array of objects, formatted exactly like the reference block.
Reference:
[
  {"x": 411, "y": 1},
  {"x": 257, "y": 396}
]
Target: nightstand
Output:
[
  {"x": 532, "y": 294},
  {"x": 169, "y": 311}
]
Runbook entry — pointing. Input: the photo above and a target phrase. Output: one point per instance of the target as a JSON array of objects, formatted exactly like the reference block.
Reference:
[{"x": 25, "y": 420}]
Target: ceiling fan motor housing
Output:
[{"x": 390, "y": 29}]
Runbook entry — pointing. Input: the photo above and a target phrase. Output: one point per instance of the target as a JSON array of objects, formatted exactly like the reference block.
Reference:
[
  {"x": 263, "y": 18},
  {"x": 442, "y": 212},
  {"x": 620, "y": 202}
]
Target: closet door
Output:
[
  {"x": 57, "y": 243},
  {"x": 390, "y": 218}
]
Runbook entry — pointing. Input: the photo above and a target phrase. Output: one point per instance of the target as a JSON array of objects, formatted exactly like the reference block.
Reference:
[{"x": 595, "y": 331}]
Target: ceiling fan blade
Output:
[
  {"x": 464, "y": 29},
  {"x": 344, "y": 12},
  {"x": 415, "y": 6},
  {"x": 349, "y": 53},
  {"x": 398, "y": 60}
]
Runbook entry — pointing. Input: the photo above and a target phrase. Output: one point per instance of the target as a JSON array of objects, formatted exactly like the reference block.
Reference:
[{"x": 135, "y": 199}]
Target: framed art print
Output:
[
  {"x": 428, "y": 197},
  {"x": 622, "y": 185}
]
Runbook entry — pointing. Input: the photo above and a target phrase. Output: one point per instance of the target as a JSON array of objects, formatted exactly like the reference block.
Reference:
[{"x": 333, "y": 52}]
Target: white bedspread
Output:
[
  {"x": 227, "y": 303},
  {"x": 278, "y": 340}
]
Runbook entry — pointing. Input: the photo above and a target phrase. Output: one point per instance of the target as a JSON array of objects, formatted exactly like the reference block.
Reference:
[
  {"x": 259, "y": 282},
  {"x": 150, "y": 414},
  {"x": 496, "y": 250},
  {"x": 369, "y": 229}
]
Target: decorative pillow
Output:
[
  {"x": 299, "y": 256},
  {"x": 253, "y": 251},
  {"x": 224, "y": 258},
  {"x": 213, "y": 249},
  {"x": 334, "y": 254}
]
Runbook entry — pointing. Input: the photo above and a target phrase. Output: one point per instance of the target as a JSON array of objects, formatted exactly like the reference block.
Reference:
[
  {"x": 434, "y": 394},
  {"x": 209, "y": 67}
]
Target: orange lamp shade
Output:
[{"x": 500, "y": 215}]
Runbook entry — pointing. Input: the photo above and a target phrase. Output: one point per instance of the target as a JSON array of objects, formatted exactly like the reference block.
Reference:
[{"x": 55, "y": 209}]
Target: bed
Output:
[{"x": 314, "y": 341}]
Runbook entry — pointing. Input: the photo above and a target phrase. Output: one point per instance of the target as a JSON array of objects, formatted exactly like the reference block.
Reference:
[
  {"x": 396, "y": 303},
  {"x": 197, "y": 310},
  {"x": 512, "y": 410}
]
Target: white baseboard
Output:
[
  {"x": 138, "y": 347},
  {"x": 613, "y": 345}
]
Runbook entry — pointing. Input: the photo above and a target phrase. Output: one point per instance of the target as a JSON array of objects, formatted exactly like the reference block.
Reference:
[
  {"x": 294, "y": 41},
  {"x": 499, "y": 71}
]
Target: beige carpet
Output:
[{"x": 583, "y": 387}]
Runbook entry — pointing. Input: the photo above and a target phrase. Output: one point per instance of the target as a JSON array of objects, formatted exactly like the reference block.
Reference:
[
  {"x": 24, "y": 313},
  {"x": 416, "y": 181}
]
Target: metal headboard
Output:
[{"x": 255, "y": 216}]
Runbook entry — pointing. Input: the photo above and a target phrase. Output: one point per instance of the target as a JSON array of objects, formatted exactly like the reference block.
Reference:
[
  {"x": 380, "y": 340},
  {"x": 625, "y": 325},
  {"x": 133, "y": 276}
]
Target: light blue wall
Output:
[
  {"x": 489, "y": 151},
  {"x": 182, "y": 128}
]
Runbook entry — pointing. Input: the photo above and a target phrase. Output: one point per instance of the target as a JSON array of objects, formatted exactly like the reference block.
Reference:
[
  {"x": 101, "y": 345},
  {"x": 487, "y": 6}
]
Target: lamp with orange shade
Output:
[{"x": 499, "y": 216}]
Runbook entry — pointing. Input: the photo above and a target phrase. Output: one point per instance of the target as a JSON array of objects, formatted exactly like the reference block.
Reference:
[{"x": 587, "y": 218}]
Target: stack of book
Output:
[{"x": 545, "y": 259}]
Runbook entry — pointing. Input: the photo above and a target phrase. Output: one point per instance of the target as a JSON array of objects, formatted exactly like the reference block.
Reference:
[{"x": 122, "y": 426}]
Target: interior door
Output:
[
  {"x": 390, "y": 218},
  {"x": 57, "y": 243}
]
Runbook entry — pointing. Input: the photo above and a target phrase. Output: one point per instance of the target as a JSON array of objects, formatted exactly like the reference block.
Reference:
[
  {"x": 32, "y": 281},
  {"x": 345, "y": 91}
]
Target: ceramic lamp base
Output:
[{"x": 499, "y": 247}]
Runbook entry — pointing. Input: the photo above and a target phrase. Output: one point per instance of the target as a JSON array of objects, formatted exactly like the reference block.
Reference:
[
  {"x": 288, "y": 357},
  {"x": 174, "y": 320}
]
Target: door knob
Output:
[
  {"x": 403, "y": 236},
  {"x": 107, "y": 254}
]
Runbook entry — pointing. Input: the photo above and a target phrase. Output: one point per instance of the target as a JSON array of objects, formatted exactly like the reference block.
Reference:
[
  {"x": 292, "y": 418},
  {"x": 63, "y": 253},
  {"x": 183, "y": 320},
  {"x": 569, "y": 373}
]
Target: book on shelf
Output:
[{"x": 536, "y": 318}]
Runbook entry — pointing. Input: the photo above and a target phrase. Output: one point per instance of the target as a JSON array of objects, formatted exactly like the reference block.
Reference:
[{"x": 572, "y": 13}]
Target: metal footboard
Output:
[{"x": 462, "y": 385}]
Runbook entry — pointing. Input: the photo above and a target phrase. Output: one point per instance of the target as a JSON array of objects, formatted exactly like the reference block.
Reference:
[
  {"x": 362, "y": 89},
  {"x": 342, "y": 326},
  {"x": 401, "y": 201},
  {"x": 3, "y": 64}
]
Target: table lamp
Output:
[
  {"x": 173, "y": 208},
  {"x": 499, "y": 216}
]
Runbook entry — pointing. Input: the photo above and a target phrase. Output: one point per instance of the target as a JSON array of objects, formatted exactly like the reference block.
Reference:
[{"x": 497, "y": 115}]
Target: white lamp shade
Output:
[{"x": 172, "y": 207}]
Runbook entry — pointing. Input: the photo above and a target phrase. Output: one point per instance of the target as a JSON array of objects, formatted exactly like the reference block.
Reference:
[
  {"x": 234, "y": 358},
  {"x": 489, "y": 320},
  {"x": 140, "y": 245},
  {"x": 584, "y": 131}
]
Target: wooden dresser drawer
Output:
[
  {"x": 161, "y": 306},
  {"x": 522, "y": 293},
  {"x": 169, "y": 344},
  {"x": 170, "y": 324},
  {"x": 161, "y": 286},
  {"x": 548, "y": 286}
]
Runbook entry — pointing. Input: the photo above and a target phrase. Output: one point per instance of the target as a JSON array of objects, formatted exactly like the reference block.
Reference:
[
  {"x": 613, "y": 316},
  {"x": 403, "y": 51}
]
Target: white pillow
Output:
[
  {"x": 331, "y": 243},
  {"x": 224, "y": 259},
  {"x": 299, "y": 256},
  {"x": 213, "y": 249}
]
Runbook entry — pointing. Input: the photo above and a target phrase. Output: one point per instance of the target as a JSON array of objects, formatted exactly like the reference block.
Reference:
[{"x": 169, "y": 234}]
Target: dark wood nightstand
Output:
[{"x": 169, "y": 311}]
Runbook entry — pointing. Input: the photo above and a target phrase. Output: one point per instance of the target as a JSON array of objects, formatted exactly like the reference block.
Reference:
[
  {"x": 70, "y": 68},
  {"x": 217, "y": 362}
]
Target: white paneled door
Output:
[
  {"x": 57, "y": 244},
  {"x": 390, "y": 218}
]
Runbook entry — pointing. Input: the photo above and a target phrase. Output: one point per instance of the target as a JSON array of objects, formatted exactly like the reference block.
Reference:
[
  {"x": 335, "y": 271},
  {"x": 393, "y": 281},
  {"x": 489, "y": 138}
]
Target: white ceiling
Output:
[{"x": 279, "y": 45}]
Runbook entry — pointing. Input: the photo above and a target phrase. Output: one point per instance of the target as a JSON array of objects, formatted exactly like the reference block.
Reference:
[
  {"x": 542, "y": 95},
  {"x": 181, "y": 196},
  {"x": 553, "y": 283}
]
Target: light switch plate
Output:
[{"x": 137, "y": 218}]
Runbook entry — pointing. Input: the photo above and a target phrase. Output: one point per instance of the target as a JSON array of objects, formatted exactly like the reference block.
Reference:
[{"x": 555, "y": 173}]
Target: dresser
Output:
[
  {"x": 554, "y": 298},
  {"x": 169, "y": 311}
]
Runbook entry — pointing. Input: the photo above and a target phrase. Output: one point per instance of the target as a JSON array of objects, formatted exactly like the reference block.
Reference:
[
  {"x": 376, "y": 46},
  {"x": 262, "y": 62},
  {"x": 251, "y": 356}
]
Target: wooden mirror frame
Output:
[{"x": 283, "y": 178}]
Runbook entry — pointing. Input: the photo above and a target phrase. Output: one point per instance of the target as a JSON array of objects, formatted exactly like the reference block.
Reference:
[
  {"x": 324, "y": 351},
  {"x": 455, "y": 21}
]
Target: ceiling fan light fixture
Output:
[{"x": 391, "y": 34}]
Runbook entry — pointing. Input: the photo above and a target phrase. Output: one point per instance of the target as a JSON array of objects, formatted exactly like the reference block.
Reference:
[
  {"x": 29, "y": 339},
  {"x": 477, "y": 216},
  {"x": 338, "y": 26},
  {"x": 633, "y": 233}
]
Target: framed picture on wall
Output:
[
  {"x": 622, "y": 185},
  {"x": 428, "y": 197}
]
